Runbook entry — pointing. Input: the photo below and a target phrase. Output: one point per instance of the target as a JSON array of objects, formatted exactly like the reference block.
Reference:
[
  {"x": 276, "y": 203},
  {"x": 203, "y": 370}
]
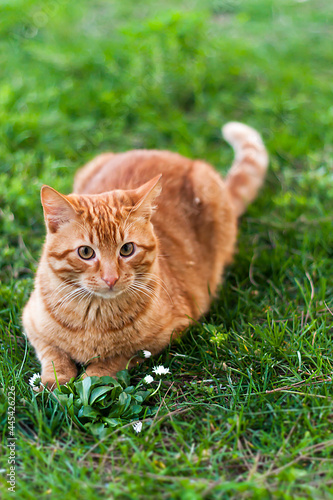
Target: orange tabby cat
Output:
[{"x": 137, "y": 251}]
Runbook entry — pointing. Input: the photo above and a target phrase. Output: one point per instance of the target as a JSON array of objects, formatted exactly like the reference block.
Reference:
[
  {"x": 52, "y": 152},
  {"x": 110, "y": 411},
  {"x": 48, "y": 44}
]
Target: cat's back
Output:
[
  {"x": 189, "y": 187},
  {"x": 130, "y": 170}
]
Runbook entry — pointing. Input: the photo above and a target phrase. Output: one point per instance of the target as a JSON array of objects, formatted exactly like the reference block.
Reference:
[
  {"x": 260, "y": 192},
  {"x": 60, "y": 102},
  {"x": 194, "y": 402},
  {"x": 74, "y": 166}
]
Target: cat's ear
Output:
[
  {"x": 145, "y": 195},
  {"x": 57, "y": 209}
]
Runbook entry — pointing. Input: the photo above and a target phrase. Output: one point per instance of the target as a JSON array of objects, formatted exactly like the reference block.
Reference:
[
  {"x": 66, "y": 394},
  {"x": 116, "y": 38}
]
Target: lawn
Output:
[{"x": 246, "y": 411}]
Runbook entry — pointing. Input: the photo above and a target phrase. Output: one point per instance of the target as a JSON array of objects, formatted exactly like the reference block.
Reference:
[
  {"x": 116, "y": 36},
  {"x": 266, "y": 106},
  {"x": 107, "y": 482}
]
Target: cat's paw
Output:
[
  {"x": 64, "y": 373},
  {"x": 51, "y": 383}
]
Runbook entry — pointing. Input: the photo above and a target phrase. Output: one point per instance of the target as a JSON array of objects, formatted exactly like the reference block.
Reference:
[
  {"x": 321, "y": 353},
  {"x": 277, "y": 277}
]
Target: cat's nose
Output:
[{"x": 110, "y": 280}]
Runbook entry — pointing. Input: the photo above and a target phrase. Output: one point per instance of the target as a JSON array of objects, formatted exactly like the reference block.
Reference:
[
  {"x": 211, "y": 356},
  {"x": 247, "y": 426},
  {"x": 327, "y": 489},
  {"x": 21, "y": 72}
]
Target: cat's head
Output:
[{"x": 103, "y": 243}]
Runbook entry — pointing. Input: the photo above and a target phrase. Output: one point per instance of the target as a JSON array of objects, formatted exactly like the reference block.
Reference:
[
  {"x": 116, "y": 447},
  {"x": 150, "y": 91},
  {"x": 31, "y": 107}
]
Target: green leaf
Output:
[
  {"x": 98, "y": 392},
  {"x": 116, "y": 392},
  {"x": 113, "y": 422},
  {"x": 83, "y": 387},
  {"x": 88, "y": 412},
  {"x": 77, "y": 403},
  {"x": 59, "y": 397},
  {"x": 106, "y": 380},
  {"x": 136, "y": 409},
  {"x": 141, "y": 396},
  {"x": 97, "y": 429},
  {"x": 116, "y": 412},
  {"x": 124, "y": 400},
  {"x": 123, "y": 376},
  {"x": 64, "y": 389}
]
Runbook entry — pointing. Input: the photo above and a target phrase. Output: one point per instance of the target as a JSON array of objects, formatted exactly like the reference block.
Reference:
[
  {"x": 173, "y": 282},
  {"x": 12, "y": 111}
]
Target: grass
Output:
[{"x": 247, "y": 410}]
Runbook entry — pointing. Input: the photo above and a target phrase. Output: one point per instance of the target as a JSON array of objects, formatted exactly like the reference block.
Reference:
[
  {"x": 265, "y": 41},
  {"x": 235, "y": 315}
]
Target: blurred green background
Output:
[{"x": 79, "y": 78}]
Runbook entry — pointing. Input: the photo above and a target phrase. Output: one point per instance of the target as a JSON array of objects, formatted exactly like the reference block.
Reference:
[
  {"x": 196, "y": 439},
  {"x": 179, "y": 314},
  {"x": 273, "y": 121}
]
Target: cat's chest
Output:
[
  {"x": 107, "y": 319},
  {"x": 103, "y": 332}
]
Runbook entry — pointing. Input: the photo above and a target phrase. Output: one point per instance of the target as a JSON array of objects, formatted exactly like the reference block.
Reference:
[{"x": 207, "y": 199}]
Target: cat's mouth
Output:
[{"x": 108, "y": 293}]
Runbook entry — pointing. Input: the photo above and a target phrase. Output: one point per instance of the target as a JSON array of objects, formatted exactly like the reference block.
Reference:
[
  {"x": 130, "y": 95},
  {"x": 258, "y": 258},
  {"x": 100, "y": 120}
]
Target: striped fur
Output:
[
  {"x": 183, "y": 225},
  {"x": 248, "y": 171}
]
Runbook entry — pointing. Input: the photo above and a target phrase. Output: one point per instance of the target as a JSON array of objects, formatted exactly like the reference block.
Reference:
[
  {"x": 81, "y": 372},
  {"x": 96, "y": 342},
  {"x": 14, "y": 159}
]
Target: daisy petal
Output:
[
  {"x": 160, "y": 370},
  {"x": 137, "y": 426}
]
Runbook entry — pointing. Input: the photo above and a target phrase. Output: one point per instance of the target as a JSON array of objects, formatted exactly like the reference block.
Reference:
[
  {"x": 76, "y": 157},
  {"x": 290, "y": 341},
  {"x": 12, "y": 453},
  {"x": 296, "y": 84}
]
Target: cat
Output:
[{"x": 135, "y": 254}]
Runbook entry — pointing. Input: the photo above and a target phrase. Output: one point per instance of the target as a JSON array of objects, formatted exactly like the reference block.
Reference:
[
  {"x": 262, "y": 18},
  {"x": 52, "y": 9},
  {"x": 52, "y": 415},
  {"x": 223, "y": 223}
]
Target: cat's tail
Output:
[{"x": 248, "y": 170}]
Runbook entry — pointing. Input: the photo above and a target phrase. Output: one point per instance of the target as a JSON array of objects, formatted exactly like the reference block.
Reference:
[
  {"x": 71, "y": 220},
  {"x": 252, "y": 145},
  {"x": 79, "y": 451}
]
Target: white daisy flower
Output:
[
  {"x": 146, "y": 354},
  {"x": 137, "y": 426},
  {"x": 148, "y": 379},
  {"x": 35, "y": 381},
  {"x": 161, "y": 370}
]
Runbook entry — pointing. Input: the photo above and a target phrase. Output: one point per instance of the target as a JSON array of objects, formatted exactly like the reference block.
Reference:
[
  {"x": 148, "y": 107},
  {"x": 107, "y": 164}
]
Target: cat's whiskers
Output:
[
  {"x": 152, "y": 277},
  {"x": 60, "y": 287},
  {"x": 141, "y": 290},
  {"x": 158, "y": 280},
  {"x": 131, "y": 291},
  {"x": 60, "y": 298},
  {"x": 148, "y": 285},
  {"x": 69, "y": 297},
  {"x": 87, "y": 295},
  {"x": 56, "y": 295},
  {"x": 64, "y": 299},
  {"x": 137, "y": 292},
  {"x": 64, "y": 284},
  {"x": 83, "y": 294}
]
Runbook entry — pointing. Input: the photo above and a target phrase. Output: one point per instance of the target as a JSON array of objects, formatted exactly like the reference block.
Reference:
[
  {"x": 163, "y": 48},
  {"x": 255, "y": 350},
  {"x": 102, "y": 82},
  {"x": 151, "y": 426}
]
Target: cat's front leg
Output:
[
  {"x": 108, "y": 366},
  {"x": 56, "y": 360}
]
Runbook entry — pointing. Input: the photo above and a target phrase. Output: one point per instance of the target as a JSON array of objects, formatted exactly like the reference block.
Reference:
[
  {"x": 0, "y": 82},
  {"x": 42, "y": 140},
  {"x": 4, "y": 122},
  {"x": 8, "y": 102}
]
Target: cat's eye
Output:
[
  {"x": 86, "y": 253},
  {"x": 127, "y": 249}
]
